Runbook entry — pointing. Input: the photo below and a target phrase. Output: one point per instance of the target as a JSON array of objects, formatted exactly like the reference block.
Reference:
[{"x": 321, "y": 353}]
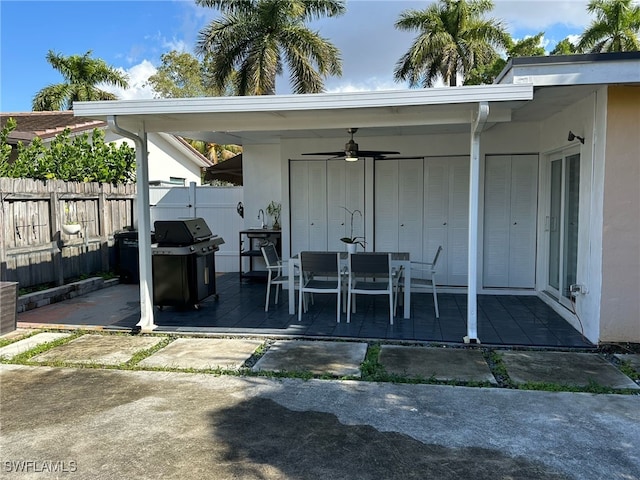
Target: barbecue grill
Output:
[{"x": 183, "y": 261}]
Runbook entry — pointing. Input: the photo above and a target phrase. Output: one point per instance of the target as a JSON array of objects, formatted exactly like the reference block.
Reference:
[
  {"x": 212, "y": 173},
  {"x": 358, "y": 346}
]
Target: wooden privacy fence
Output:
[{"x": 34, "y": 249}]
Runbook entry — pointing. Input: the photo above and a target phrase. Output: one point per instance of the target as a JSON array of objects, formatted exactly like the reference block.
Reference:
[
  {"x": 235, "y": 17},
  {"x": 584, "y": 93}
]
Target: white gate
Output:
[{"x": 217, "y": 205}]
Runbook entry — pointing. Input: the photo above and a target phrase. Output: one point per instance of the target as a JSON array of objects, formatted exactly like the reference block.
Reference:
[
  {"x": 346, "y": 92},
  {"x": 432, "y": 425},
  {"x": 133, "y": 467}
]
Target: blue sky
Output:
[{"x": 132, "y": 35}]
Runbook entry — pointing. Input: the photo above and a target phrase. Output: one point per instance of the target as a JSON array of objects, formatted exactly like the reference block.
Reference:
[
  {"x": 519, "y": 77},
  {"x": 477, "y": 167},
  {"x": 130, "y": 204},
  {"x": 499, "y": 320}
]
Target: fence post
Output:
[
  {"x": 192, "y": 199},
  {"x": 3, "y": 258},
  {"x": 56, "y": 253},
  {"x": 102, "y": 230}
]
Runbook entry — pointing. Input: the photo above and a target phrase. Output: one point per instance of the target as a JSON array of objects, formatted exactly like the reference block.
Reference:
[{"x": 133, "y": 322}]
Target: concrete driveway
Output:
[{"x": 86, "y": 423}]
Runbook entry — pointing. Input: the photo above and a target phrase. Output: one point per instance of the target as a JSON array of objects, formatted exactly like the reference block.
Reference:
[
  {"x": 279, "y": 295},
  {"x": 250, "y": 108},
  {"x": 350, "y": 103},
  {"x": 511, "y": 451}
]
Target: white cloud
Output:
[
  {"x": 175, "y": 44},
  {"x": 541, "y": 14},
  {"x": 574, "y": 39},
  {"x": 365, "y": 85},
  {"x": 138, "y": 87}
]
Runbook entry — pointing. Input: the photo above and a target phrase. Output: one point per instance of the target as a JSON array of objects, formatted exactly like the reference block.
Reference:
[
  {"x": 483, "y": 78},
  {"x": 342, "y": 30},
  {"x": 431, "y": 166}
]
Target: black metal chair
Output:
[
  {"x": 370, "y": 274},
  {"x": 319, "y": 273}
]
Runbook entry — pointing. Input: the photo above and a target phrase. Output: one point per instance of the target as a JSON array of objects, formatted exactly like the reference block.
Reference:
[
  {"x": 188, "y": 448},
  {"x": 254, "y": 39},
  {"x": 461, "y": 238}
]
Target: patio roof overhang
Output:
[{"x": 269, "y": 119}]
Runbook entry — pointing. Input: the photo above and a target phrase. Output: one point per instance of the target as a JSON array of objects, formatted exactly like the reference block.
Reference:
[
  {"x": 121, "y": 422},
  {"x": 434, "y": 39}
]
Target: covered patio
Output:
[
  {"x": 480, "y": 173},
  {"x": 505, "y": 320}
]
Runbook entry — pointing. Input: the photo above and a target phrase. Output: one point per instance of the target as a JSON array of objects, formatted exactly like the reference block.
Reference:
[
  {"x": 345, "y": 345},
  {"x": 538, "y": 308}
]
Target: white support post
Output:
[
  {"x": 146, "y": 323},
  {"x": 474, "y": 201},
  {"x": 192, "y": 199}
]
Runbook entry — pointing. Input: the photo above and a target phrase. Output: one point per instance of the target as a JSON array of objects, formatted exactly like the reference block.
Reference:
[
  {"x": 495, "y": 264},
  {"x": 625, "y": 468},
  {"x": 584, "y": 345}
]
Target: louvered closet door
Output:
[
  {"x": 308, "y": 186},
  {"x": 345, "y": 188},
  {"x": 446, "y": 216},
  {"x": 410, "y": 207},
  {"x": 398, "y": 206},
  {"x": 510, "y": 207},
  {"x": 386, "y": 205}
]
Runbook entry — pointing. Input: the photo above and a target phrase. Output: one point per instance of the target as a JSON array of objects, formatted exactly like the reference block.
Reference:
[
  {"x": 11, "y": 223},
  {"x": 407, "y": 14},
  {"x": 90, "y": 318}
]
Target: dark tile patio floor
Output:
[{"x": 502, "y": 320}]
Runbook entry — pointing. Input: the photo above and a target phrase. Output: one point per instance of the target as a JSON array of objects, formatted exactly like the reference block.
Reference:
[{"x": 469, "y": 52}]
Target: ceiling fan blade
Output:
[
  {"x": 375, "y": 153},
  {"x": 401, "y": 157},
  {"x": 324, "y": 154},
  {"x": 351, "y": 150}
]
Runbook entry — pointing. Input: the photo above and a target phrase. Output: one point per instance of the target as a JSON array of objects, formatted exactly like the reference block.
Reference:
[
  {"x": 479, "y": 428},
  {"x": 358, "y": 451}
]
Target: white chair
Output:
[
  {"x": 319, "y": 273},
  {"x": 370, "y": 274},
  {"x": 423, "y": 276},
  {"x": 276, "y": 274}
]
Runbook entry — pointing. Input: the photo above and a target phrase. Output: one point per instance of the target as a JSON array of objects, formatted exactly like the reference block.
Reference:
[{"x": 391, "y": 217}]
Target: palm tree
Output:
[
  {"x": 254, "y": 37},
  {"x": 563, "y": 47},
  {"x": 215, "y": 152},
  {"x": 82, "y": 74},
  {"x": 615, "y": 28},
  {"x": 453, "y": 38}
]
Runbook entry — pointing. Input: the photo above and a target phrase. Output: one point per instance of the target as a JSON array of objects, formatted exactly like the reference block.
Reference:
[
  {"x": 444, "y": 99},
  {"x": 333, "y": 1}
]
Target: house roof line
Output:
[
  {"x": 46, "y": 125},
  {"x": 301, "y": 102},
  {"x": 186, "y": 147}
]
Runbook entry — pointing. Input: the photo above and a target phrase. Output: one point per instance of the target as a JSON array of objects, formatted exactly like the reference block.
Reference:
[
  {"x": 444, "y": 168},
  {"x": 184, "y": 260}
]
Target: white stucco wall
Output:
[
  {"x": 584, "y": 118},
  {"x": 165, "y": 160},
  {"x": 262, "y": 175}
]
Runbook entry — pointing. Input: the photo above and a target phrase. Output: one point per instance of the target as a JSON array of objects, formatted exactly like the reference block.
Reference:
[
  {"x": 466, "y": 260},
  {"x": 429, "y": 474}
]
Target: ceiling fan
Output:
[{"x": 351, "y": 153}]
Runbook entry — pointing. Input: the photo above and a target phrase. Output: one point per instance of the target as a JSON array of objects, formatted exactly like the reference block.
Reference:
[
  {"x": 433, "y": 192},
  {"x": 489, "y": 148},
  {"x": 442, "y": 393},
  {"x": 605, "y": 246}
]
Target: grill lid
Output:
[{"x": 181, "y": 232}]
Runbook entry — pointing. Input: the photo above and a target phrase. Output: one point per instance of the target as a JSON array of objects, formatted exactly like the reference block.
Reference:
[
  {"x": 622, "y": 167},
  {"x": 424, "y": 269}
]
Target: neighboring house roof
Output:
[{"x": 46, "y": 125}]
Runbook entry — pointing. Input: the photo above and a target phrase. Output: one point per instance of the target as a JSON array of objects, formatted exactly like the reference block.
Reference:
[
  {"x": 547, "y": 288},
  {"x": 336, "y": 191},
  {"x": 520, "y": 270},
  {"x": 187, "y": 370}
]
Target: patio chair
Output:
[
  {"x": 319, "y": 273},
  {"x": 423, "y": 276},
  {"x": 370, "y": 274},
  {"x": 276, "y": 274}
]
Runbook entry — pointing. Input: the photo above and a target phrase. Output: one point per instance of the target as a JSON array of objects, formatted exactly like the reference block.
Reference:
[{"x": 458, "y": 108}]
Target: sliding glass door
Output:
[{"x": 562, "y": 226}]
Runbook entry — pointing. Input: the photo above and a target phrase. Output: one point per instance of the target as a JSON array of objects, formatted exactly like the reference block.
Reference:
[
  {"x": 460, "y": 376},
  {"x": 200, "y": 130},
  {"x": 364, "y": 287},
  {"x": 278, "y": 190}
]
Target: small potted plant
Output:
[
  {"x": 352, "y": 241},
  {"x": 71, "y": 226},
  {"x": 273, "y": 210}
]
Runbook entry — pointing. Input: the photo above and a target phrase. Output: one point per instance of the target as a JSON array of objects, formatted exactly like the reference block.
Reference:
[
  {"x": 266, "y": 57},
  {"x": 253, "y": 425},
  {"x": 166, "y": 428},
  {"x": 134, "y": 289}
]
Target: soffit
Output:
[{"x": 255, "y": 120}]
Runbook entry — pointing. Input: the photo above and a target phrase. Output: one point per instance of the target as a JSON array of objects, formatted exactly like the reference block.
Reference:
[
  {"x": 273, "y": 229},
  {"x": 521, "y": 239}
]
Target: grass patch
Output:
[
  {"x": 498, "y": 368},
  {"x": 142, "y": 354},
  {"x": 592, "y": 387},
  {"x": 8, "y": 341},
  {"x": 626, "y": 368},
  {"x": 24, "y": 358}
]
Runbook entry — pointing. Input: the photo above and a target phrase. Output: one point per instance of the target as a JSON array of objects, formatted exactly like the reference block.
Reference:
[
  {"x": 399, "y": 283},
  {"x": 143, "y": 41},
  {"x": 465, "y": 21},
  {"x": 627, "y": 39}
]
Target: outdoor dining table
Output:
[{"x": 398, "y": 259}]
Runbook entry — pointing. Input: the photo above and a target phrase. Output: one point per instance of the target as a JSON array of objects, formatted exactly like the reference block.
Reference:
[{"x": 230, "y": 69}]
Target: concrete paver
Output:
[
  {"x": 203, "y": 353},
  {"x": 99, "y": 349},
  {"x": 334, "y": 358},
  {"x": 439, "y": 363},
  {"x": 21, "y": 346},
  {"x": 564, "y": 368}
]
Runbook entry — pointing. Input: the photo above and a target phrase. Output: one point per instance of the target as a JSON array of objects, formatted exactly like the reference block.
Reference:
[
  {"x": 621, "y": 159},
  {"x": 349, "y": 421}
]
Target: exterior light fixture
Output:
[{"x": 572, "y": 137}]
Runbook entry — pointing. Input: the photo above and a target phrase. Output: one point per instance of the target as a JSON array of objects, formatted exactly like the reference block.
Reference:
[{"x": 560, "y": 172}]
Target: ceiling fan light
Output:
[{"x": 351, "y": 158}]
